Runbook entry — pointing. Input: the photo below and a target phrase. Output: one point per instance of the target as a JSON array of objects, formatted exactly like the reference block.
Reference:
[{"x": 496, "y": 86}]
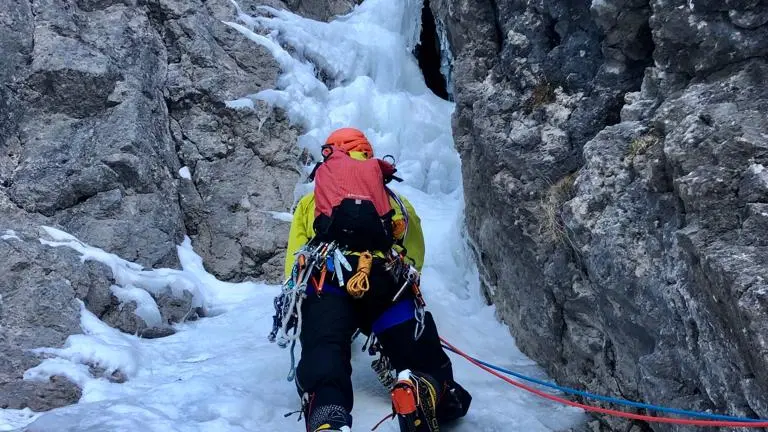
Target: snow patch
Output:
[
  {"x": 126, "y": 273},
  {"x": 245, "y": 203},
  {"x": 75, "y": 372},
  {"x": 756, "y": 169},
  {"x": 242, "y": 103},
  {"x": 9, "y": 235},
  {"x": 100, "y": 345},
  {"x": 146, "y": 308},
  {"x": 184, "y": 173},
  {"x": 11, "y": 419},
  {"x": 282, "y": 216}
]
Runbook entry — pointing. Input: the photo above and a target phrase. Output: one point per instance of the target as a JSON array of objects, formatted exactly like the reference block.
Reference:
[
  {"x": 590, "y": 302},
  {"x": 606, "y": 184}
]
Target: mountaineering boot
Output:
[
  {"x": 454, "y": 402},
  {"x": 329, "y": 418},
  {"x": 414, "y": 398}
]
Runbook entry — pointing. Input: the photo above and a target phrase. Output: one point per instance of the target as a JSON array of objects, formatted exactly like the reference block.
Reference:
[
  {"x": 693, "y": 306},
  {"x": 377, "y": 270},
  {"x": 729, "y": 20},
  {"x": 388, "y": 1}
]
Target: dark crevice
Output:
[
  {"x": 32, "y": 33},
  {"x": 428, "y": 53},
  {"x": 497, "y": 25},
  {"x": 82, "y": 199},
  {"x": 613, "y": 114},
  {"x": 645, "y": 46},
  {"x": 639, "y": 56},
  {"x": 553, "y": 37}
]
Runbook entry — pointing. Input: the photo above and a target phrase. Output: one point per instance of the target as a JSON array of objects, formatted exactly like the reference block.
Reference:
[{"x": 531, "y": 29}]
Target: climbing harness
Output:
[
  {"x": 313, "y": 263},
  {"x": 714, "y": 420}
]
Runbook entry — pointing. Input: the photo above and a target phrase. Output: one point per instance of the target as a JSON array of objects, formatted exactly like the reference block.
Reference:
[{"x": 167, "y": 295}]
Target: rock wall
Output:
[
  {"x": 613, "y": 157},
  {"x": 102, "y": 104}
]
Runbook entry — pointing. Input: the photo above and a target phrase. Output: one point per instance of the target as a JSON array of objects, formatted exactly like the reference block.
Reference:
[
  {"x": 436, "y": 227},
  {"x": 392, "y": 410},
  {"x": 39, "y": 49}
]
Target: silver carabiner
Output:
[{"x": 418, "y": 314}]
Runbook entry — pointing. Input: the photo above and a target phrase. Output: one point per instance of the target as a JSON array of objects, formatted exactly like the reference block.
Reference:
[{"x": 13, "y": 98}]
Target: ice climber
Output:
[{"x": 358, "y": 248}]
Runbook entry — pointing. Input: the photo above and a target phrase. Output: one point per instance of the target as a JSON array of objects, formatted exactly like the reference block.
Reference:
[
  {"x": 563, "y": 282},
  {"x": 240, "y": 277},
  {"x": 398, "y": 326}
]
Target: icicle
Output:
[{"x": 446, "y": 56}]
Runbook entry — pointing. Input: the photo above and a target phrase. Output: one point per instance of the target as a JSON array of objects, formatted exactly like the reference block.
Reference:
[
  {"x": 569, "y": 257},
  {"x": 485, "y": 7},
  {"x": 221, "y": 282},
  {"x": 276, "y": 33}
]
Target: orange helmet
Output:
[{"x": 350, "y": 140}]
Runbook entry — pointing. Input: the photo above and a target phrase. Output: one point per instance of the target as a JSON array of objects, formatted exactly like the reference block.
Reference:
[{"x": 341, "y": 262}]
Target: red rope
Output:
[{"x": 650, "y": 419}]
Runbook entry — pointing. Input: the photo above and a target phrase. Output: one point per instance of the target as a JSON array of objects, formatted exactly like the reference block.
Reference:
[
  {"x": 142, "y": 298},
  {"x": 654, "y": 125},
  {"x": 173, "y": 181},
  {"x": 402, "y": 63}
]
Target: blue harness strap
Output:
[
  {"x": 398, "y": 313},
  {"x": 328, "y": 288}
]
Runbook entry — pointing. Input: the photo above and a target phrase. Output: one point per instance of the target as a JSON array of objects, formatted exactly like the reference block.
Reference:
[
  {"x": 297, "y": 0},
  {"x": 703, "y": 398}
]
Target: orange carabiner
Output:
[{"x": 319, "y": 287}]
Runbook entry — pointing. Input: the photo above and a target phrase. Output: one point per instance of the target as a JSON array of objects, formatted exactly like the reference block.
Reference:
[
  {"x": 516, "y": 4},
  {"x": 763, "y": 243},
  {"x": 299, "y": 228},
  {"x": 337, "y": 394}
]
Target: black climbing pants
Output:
[{"x": 329, "y": 322}]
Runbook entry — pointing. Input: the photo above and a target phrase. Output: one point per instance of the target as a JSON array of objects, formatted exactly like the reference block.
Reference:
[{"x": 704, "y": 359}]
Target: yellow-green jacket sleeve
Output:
[
  {"x": 414, "y": 239},
  {"x": 301, "y": 229}
]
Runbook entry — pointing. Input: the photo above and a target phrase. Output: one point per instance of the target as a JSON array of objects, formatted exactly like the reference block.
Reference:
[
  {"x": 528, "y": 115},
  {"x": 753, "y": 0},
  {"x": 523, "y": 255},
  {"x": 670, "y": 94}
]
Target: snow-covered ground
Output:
[{"x": 221, "y": 373}]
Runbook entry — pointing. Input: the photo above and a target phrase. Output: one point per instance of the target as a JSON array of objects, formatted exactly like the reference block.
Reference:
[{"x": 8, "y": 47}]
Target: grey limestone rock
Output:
[
  {"x": 102, "y": 103},
  {"x": 322, "y": 10},
  {"x": 613, "y": 158},
  {"x": 38, "y": 308}
]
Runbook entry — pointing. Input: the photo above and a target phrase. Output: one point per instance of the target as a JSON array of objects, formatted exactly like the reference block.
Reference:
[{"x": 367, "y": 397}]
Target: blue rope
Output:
[{"x": 610, "y": 399}]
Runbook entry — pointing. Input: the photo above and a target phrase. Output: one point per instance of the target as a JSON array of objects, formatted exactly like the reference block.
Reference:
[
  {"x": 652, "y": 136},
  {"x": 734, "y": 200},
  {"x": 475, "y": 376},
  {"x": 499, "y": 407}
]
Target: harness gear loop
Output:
[{"x": 358, "y": 284}]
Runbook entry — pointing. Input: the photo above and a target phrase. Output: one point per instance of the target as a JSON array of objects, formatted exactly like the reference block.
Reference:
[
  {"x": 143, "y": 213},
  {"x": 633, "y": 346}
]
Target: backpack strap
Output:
[
  {"x": 314, "y": 171},
  {"x": 326, "y": 150}
]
